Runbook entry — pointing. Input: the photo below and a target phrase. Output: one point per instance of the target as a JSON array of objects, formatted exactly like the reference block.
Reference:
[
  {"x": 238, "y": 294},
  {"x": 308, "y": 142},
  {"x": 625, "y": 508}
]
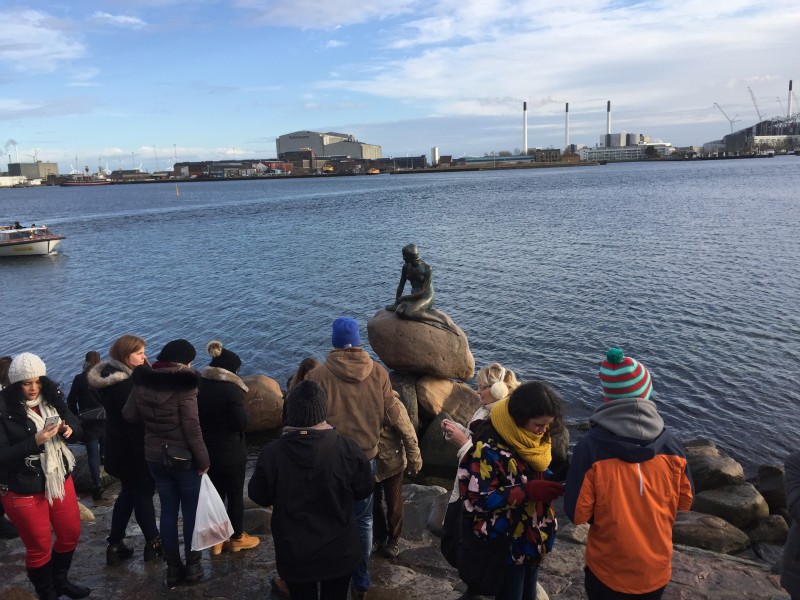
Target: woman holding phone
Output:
[{"x": 36, "y": 485}]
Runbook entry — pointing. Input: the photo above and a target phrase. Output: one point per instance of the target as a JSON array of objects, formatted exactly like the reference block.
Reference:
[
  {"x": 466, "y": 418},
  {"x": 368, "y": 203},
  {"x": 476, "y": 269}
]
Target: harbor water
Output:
[{"x": 690, "y": 267}]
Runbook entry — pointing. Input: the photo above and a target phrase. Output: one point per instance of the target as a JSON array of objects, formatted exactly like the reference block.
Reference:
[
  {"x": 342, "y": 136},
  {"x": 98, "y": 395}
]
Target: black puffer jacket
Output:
[
  {"x": 165, "y": 400},
  {"x": 18, "y": 438},
  {"x": 82, "y": 398},
  {"x": 124, "y": 450},
  {"x": 220, "y": 402}
]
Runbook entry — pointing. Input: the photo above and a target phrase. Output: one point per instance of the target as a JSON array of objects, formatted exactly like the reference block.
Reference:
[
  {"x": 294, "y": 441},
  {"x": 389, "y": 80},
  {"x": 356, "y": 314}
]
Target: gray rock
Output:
[
  {"x": 770, "y": 484},
  {"x": 770, "y": 530},
  {"x": 415, "y": 347},
  {"x": 708, "y": 532},
  {"x": 405, "y": 384},
  {"x": 711, "y": 469},
  {"x": 739, "y": 504},
  {"x": 436, "y": 395},
  {"x": 439, "y": 456}
]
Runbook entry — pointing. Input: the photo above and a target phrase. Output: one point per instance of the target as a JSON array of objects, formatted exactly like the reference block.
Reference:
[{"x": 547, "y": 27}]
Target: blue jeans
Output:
[
  {"x": 519, "y": 584},
  {"x": 363, "y": 512},
  {"x": 177, "y": 491},
  {"x": 93, "y": 452},
  {"x": 135, "y": 497}
]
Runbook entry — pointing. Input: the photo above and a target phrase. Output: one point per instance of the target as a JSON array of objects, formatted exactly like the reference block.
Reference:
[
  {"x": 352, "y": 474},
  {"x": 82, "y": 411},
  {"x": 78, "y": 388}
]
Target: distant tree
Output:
[
  {"x": 650, "y": 152},
  {"x": 504, "y": 153}
]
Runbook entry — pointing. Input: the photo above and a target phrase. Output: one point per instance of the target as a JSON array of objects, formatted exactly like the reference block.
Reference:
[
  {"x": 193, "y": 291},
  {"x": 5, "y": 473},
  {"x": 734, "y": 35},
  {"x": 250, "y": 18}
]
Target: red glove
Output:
[{"x": 544, "y": 491}]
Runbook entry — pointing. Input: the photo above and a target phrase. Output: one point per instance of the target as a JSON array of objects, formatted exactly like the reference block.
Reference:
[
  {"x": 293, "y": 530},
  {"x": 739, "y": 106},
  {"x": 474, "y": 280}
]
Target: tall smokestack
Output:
[
  {"x": 525, "y": 128},
  {"x": 566, "y": 128},
  {"x": 789, "y": 114},
  {"x": 608, "y": 124}
]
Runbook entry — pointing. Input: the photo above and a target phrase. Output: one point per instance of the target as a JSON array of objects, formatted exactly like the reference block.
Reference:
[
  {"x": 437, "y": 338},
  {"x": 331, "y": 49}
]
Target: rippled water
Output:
[{"x": 690, "y": 267}]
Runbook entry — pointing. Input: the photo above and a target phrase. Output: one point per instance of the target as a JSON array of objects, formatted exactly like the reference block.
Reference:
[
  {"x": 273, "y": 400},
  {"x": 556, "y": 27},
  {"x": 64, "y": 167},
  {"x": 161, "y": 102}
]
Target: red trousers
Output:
[{"x": 36, "y": 520}]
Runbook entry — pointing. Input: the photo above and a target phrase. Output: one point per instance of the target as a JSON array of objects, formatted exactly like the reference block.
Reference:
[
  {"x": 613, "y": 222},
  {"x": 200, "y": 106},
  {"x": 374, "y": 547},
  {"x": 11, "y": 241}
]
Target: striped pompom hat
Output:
[{"x": 624, "y": 377}]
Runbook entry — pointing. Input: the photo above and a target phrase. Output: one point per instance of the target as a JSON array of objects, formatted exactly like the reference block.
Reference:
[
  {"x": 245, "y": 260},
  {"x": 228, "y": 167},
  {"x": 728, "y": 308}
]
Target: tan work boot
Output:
[
  {"x": 216, "y": 549},
  {"x": 244, "y": 543}
]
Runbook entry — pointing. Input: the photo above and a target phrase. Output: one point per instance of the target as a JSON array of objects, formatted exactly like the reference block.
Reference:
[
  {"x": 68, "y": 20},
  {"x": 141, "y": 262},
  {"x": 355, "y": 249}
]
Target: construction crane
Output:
[
  {"x": 758, "y": 112},
  {"x": 731, "y": 121},
  {"x": 780, "y": 103}
]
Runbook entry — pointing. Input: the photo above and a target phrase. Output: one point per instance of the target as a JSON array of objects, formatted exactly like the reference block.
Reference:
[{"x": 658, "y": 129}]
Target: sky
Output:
[{"x": 123, "y": 84}]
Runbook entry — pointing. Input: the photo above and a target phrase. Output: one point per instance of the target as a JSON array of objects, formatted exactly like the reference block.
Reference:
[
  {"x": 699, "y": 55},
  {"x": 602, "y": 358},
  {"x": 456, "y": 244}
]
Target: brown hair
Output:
[
  {"x": 306, "y": 366},
  {"x": 5, "y": 363},
  {"x": 124, "y": 346},
  {"x": 536, "y": 399},
  {"x": 92, "y": 358}
]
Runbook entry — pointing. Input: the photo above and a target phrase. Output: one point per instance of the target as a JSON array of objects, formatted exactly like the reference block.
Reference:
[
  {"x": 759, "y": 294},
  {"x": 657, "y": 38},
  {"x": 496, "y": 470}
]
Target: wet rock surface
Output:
[{"x": 419, "y": 572}]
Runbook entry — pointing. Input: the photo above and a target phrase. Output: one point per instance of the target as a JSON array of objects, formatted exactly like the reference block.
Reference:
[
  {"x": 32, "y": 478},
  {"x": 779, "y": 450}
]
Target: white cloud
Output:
[
  {"x": 335, "y": 44},
  {"x": 35, "y": 41},
  {"x": 118, "y": 20},
  {"x": 312, "y": 14}
]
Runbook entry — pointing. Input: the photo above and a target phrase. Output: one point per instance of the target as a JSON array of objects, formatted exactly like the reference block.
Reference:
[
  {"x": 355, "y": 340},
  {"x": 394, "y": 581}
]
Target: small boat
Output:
[
  {"x": 373, "y": 172},
  {"x": 28, "y": 241},
  {"x": 98, "y": 178}
]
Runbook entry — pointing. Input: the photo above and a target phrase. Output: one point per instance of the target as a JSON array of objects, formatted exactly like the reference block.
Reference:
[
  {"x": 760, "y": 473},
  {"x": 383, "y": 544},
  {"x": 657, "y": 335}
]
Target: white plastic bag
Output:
[{"x": 211, "y": 525}]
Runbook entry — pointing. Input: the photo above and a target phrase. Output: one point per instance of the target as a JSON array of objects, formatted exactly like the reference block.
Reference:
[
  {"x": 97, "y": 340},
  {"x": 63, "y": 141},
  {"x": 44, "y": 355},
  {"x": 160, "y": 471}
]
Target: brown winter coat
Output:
[
  {"x": 359, "y": 396},
  {"x": 398, "y": 446}
]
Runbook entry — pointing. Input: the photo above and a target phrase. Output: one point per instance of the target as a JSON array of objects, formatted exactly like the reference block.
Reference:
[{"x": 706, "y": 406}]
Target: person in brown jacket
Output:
[
  {"x": 398, "y": 449},
  {"x": 165, "y": 399},
  {"x": 359, "y": 400}
]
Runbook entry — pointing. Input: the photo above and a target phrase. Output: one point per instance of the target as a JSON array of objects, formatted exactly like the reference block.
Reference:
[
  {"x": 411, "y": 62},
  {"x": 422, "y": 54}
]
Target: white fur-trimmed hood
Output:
[
  {"x": 223, "y": 375},
  {"x": 98, "y": 381}
]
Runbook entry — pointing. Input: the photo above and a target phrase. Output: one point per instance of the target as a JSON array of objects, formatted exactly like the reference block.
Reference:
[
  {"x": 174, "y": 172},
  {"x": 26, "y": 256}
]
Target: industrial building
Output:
[
  {"x": 326, "y": 144},
  {"x": 34, "y": 170}
]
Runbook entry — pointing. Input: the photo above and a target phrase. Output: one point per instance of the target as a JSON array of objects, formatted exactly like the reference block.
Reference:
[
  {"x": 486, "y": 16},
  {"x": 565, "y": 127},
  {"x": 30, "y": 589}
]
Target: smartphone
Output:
[{"x": 50, "y": 421}]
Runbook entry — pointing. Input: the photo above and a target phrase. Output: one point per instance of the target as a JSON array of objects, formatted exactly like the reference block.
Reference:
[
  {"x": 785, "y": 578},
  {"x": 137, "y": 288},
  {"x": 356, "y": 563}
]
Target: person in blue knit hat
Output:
[{"x": 360, "y": 402}]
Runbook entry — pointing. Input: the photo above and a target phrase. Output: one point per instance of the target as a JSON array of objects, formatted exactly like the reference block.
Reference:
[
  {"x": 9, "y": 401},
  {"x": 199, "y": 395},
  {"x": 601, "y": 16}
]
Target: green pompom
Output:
[{"x": 615, "y": 356}]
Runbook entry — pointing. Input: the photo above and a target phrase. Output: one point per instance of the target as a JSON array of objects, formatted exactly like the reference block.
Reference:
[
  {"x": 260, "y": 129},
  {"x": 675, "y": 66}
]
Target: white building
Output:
[
  {"x": 327, "y": 144},
  {"x": 623, "y": 152}
]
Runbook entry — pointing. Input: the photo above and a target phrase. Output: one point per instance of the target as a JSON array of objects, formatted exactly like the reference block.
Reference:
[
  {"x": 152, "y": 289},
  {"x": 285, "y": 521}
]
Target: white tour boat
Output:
[{"x": 28, "y": 241}]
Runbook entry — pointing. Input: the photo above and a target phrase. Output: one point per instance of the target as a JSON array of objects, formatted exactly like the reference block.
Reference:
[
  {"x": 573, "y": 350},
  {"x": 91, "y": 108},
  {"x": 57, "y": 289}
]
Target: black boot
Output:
[
  {"x": 175, "y": 571},
  {"x": 64, "y": 587},
  {"x": 42, "y": 580},
  {"x": 194, "y": 570},
  {"x": 152, "y": 549},
  {"x": 116, "y": 552}
]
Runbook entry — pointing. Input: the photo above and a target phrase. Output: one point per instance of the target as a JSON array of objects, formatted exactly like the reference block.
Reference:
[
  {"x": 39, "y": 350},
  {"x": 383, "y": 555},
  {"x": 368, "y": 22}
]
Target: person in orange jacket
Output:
[{"x": 627, "y": 479}]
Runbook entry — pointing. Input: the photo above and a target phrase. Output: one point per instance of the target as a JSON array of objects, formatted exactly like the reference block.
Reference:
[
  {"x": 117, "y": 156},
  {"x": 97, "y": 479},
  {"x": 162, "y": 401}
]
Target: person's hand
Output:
[
  {"x": 65, "y": 430},
  {"x": 202, "y": 471},
  {"x": 414, "y": 468},
  {"x": 45, "y": 434},
  {"x": 544, "y": 491},
  {"x": 453, "y": 433}
]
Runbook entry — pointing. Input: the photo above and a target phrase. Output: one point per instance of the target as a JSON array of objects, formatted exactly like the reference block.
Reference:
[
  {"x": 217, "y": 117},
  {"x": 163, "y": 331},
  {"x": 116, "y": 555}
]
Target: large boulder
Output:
[
  {"x": 770, "y": 484},
  {"x": 739, "y": 504},
  {"x": 417, "y": 347},
  {"x": 436, "y": 395},
  {"x": 772, "y": 530},
  {"x": 710, "y": 468},
  {"x": 439, "y": 456},
  {"x": 263, "y": 402},
  {"x": 707, "y": 531}
]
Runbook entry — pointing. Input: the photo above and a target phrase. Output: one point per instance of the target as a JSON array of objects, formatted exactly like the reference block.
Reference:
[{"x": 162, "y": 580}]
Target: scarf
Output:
[
  {"x": 534, "y": 449},
  {"x": 54, "y": 453}
]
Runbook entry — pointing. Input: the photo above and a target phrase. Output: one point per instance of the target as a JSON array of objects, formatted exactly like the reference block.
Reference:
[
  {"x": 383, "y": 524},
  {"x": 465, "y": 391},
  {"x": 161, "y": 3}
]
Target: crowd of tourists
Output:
[{"x": 334, "y": 476}]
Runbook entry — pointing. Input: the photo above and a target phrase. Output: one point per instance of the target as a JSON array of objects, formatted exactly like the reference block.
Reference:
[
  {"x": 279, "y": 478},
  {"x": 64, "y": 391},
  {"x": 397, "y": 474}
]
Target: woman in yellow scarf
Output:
[{"x": 508, "y": 522}]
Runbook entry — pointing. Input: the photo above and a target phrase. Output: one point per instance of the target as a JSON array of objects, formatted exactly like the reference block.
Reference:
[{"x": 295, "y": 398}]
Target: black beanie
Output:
[
  {"x": 177, "y": 351},
  {"x": 307, "y": 405},
  {"x": 222, "y": 358}
]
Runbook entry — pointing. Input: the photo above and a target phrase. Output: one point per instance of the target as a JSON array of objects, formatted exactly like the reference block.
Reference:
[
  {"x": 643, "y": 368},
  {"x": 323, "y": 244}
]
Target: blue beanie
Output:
[{"x": 345, "y": 333}]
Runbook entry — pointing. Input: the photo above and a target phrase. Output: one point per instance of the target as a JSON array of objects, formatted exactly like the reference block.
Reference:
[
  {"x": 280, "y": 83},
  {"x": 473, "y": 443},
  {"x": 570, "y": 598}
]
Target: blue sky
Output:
[{"x": 123, "y": 83}]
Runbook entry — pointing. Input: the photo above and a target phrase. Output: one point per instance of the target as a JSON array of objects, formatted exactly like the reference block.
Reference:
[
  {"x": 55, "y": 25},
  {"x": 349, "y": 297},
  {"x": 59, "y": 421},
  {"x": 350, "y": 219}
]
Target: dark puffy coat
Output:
[
  {"x": 124, "y": 449},
  {"x": 18, "y": 436},
  {"x": 220, "y": 403},
  {"x": 82, "y": 398},
  {"x": 165, "y": 400},
  {"x": 312, "y": 477},
  {"x": 790, "y": 568}
]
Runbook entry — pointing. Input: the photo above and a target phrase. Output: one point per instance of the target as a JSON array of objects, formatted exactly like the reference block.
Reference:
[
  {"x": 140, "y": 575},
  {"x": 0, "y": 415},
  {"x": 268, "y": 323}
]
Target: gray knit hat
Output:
[
  {"x": 26, "y": 366},
  {"x": 306, "y": 405}
]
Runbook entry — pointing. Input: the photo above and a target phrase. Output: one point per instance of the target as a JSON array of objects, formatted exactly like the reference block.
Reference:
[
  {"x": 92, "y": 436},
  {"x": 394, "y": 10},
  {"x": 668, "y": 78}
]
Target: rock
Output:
[
  {"x": 80, "y": 474},
  {"x": 708, "y": 532},
  {"x": 711, "y": 469},
  {"x": 405, "y": 384},
  {"x": 416, "y": 347},
  {"x": 263, "y": 402},
  {"x": 86, "y": 515},
  {"x": 739, "y": 504},
  {"x": 770, "y": 530},
  {"x": 438, "y": 455},
  {"x": 770, "y": 484},
  {"x": 457, "y": 399}
]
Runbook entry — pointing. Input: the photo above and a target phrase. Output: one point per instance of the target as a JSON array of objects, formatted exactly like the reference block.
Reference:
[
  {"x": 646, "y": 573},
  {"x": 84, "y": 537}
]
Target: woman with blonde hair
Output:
[{"x": 124, "y": 451}]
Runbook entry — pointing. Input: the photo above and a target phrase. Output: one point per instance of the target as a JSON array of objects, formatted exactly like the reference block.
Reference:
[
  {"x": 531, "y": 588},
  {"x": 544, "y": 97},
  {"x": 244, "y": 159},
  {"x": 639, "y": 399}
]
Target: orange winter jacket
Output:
[{"x": 627, "y": 479}]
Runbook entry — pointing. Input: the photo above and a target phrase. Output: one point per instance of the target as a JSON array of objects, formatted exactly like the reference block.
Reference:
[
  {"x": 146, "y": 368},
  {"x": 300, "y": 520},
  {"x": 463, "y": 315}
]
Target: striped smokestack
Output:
[
  {"x": 566, "y": 128},
  {"x": 789, "y": 114},
  {"x": 525, "y": 128},
  {"x": 608, "y": 124}
]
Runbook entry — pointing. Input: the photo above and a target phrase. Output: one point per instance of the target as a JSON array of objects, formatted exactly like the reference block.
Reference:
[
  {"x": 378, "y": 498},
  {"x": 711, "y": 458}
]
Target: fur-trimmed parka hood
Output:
[
  {"x": 107, "y": 373},
  {"x": 172, "y": 379},
  {"x": 219, "y": 374}
]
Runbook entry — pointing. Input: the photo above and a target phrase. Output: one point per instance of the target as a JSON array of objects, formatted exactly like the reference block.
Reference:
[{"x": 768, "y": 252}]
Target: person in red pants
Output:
[{"x": 36, "y": 485}]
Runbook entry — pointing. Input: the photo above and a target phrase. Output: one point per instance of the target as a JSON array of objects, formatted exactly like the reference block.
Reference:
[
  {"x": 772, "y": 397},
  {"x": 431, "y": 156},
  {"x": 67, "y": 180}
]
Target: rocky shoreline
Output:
[{"x": 419, "y": 572}]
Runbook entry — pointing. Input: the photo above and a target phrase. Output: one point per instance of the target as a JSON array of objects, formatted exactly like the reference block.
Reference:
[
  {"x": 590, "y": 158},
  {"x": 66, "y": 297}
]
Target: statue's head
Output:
[{"x": 410, "y": 252}]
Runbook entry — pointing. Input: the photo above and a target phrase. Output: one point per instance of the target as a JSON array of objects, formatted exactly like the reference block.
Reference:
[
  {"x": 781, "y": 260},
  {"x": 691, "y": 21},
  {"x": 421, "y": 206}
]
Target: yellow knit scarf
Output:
[{"x": 534, "y": 449}]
